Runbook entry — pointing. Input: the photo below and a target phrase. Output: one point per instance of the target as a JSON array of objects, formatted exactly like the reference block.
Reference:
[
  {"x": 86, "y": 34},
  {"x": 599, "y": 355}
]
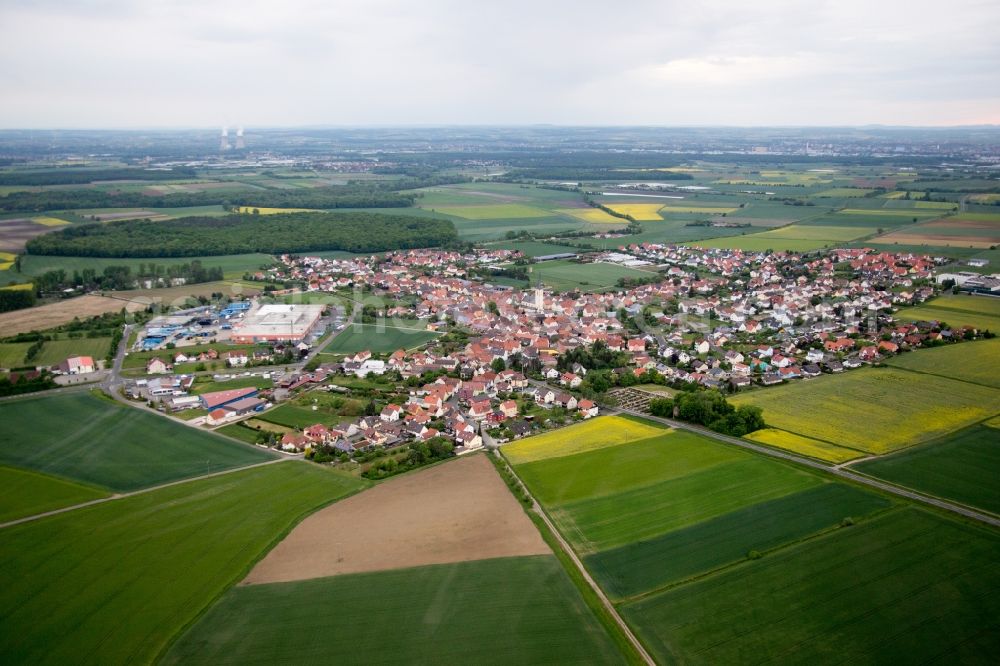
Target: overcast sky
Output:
[{"x": 142, "y": 63}]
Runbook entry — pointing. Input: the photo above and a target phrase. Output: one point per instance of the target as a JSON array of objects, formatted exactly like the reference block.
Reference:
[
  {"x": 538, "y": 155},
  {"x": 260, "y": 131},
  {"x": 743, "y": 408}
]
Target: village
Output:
[{"x": 478, "y": 363}]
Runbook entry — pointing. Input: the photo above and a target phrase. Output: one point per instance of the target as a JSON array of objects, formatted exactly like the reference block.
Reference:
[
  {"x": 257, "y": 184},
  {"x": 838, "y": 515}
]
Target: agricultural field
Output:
[
  {"x": 15, "y": 232},
  {"x": 844, "y": 192},
  {"x": 875, "y": 410},
  {"x": 963, "y": 467},
  {"x": 97, "y": 441},
  {"x": 533, "y": 248},
  {"x": 53, "y": 352},
  {"x": 48, "y": 316},
  {"x": 957, "y": 310},
  {"x": 795, "y": 238},
  {"x": 493, "y": 212},
  {"x": 500, "y": 611},
  {"x": 813, "y": 448},
  {"x": 928, "y": 587},
  {"x": 233, "y": 266},
  {"x": 711, "y": 546},
  {"x": 975, "y": 362},
  {"x": 379, "y": 338},
  {"x": 586, "y": 436},
  {"x": 26, "y": 493},
  {"x": 566, "y": 275},
  {"x": 78, "y": 586},
  {"x": 973, "y": 230},
  {"x": 640, "y": 211},
  {"x": 411, "y": 520}
]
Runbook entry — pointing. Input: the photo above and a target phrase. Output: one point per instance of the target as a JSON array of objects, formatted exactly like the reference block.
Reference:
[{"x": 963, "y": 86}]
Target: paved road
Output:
[
  {"x": 583, "y": 571},
  {"x": 118, "y": 496},
  {"x": 837, "y": 471}
]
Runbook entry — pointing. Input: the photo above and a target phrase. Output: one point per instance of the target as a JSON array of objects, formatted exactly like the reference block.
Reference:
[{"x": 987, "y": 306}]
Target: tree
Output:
[{"x": 498, "y": 365}]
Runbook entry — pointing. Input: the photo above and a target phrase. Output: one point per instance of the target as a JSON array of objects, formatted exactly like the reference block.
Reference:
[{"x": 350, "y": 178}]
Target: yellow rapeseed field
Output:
[
  {"x": 273, "y": 211},
  {"x": 49, "y": 221},
  {"x": 807, "y": 446},
  {"x": 18, "y": 287},
  {"x": 6, "y": 260},
  {"x": 640, "y": 211},
  {"x": 875, "y": 410},
  {"x": 586, "y": 436},
  {"x": 591, "y": 215}
]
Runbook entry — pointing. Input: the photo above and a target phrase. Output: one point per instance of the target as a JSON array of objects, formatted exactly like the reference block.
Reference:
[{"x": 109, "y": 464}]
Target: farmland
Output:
[
  {"x": 566, "y": 275},
  {"x": 589, "y": 435},
  {"x": 61, "y": 312},
  {"x": 646, "y": 511},
  {"x": 233, "y": 266},
  {"x": 874, "y": 410},
  {"x": 499, "y": 611},
  {"x": 96, "y": 441},
  {"x": 927, "y": 587},
  {"x": 813, "y": 448},
  {"x": 975, "y": 362},
  {"x": 379, "y": 338},
  {"x": 653, "y": 563},
  {"x": 963, "y": 467},
  {"x": 957, "y": 310},
  {"x": 53, "y": 352},
  {"x": 25, "y": 493},
  {"x": 411, "y": 520},
  {"x": 79, "y": 586},
  {"x": 713, "y": 554}
]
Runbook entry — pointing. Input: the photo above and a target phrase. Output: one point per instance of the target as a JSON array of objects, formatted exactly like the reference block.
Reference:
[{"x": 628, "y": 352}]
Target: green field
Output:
[
  {"x": 566, "y": 275},
  {"x": 94, "y": 440},
  {"x": 519, "y": 610},
  {"x": 25, "y": 493},
  {"x": 533, "y": 248},
  {"x": 379, "y": 338},
  {"x": 53, "y": 352},
  {"x": 975, "y": 362},
  {"x": 612, "y": 469},
  {"x": 876, "y": 410},
  {"x": 114, "y": 583},
  {"x": 644, "y": 512},
  {"x": 652, "y": 563},
  {"x": 234, "y": 265},
  {"x": 906, "y": 587},
  {"x": 963, "y": 467},
  {"x": 291, "y": 416}
]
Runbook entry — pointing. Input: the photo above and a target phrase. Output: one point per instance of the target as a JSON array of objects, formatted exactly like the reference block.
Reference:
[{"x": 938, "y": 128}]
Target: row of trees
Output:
[
  {"x": 710, "y": 409},
  {"x": 123, "y": 277},
  {"x": 16, "y": 299},
  {"x": 241, "y": 234},
  {"x": 70, "y": 176},
  {"x": 354, "y": 194}
]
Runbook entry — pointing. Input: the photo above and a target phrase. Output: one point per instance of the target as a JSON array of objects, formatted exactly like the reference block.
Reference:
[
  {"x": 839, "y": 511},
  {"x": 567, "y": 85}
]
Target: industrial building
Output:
[{"x": 278, "y": 323}]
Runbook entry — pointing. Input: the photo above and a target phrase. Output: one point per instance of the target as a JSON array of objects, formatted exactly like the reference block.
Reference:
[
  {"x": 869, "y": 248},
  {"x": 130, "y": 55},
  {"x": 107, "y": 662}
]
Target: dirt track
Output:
[{"x": 454, "y": 512}]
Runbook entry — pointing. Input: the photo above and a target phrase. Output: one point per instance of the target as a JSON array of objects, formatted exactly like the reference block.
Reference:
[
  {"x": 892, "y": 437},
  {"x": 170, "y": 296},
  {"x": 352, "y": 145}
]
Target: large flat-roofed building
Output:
[{"x": 278, "y": 323}]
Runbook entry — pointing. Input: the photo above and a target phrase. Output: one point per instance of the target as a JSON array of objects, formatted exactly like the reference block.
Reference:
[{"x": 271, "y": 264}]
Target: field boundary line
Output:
[
  {"x": 788, "y": 545},
  {"x": 141, "y": 491},
  {"x": 239, "y": 577},
  {"x": 851, "y": 475},
  {"x": 934, "y": 374},
  {"x": 571, "y": 554}
]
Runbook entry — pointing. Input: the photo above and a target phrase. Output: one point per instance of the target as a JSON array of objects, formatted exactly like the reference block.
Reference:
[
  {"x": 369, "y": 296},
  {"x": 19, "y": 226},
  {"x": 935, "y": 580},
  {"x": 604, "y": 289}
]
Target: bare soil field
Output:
[
  {"x": 15, "y": 233},
  {"x": 54, "y": 314},
  {"x": 454, "y": 512}
]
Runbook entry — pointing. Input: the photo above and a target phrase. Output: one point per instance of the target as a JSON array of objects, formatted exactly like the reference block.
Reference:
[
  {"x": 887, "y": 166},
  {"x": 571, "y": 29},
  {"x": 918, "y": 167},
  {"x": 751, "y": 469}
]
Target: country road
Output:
[{"x": 608, "y": 606}]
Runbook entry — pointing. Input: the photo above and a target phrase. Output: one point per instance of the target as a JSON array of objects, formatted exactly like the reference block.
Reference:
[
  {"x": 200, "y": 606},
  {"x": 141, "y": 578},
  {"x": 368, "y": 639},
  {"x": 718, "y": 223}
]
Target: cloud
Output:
[{"x": 103, "y": 63}]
